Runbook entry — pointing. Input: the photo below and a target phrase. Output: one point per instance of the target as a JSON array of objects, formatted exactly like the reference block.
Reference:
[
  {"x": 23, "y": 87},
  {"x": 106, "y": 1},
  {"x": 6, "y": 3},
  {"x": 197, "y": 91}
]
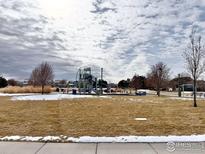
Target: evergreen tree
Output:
[{"x": 3, "y": 82}]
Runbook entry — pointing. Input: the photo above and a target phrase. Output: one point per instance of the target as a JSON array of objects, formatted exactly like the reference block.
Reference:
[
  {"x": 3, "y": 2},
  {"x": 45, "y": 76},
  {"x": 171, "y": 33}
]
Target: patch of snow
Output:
[
  {"x": 104, "y": 96},
  {"x": 32, "y": 139},
  {"x": 118, "y": 139},
  {"x": 192, "y": 138},
  {"x": 10, "y": 138},
  {"x": 51, "y": 138},
  {"x": 182, "y": 98},
  {"x": 141, "y": 119},
  {"x": 17, "y": 94},
  {"x": 54, "y": 97}
]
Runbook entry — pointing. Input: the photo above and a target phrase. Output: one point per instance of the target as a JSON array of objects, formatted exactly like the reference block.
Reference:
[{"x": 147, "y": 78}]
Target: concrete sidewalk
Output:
[{"x": 101, "y": 148}]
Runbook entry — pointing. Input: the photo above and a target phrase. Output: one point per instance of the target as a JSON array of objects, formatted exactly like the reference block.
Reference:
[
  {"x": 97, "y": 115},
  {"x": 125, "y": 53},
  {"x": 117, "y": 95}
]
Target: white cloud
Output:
[{"x": 124, "y": 37}]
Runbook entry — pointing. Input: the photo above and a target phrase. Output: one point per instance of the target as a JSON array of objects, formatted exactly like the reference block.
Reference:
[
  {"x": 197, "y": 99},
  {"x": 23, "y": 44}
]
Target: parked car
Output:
[{"x": 141, "y": 93}]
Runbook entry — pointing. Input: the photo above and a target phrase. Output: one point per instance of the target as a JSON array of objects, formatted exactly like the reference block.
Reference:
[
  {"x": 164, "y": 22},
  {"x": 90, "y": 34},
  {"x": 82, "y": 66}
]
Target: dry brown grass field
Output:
[
  {"x": 26, "y": 89},
  {"x": 102, "y": 117}
]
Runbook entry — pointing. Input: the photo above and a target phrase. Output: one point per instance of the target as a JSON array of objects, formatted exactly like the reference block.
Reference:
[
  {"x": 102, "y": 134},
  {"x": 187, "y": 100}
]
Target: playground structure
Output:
[{"x": 87, "y": 82}]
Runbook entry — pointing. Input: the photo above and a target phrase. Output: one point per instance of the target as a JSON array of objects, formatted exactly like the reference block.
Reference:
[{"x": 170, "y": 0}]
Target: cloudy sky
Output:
[{"x": 123, "y": 36}]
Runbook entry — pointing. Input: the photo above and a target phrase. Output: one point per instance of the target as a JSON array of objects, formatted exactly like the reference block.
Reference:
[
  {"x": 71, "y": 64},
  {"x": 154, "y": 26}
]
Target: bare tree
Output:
[
  {"x": 194, "y": 58},
  {"x": 158, "y": 76},
  {"x": 12, "y": 82},
  {"x": 42, "y": 75},
  {"x": 34, "y": 78}
]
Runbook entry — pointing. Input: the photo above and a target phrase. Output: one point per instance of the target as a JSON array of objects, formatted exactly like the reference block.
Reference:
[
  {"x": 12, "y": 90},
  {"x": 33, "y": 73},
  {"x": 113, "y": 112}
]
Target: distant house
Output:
[
  {"x": 174, "y": 83},
  {"x": 187, "y": 87},
  {"x": 23, "y": 83},
  {"x": 60, "y": 83},
  {"x": 26, "y": 82}
]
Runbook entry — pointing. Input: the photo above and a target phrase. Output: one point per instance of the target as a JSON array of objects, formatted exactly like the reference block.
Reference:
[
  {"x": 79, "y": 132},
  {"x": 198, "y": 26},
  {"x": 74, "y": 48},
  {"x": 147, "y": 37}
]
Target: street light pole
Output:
[
  {"x": 101, "y": 90},
  {"x": 159, "y": 72},
  {"x": 179, "y": 87}
]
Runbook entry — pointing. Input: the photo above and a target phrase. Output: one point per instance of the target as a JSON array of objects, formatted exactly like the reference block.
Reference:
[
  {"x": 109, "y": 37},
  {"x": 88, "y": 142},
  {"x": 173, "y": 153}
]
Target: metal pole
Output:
[
  {"x": 96, "y": 86},
  {"x": 179, "y": 88},
  {"x": 91, "y": 86},
  {"x": 101, "y": 90},
  {"x": 84, "y": 80},
  {"x": 79, "y": 85}
]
